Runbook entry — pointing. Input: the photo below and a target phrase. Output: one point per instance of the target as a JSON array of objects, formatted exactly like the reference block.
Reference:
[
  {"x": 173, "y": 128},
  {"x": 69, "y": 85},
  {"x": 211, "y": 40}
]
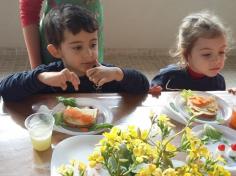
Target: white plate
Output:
[
  {"x": 228, "y": 134},
  {"x": 104, "y": 115},
  {"x": 223, "y": 114},
  {"x": 76, "y": 147},
  {"x": 79, "y": 148},
  {"x": 170, "y": 110}
]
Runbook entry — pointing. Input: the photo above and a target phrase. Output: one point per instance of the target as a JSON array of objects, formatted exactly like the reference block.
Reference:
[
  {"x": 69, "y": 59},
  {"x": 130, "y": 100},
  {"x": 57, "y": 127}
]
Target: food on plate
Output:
[
  {"x": 232, "y": 151},
  {"x": 73, "y": 115},
  {"x": 211, "y": 134},
  {"x": 205, "y": 105},
  {"x": 220, "y": 140},
  {"x": 67, "y": 101},
  {"x": 220, "y": 151},
  {"x": 78, "y": 117},
  {"x": 232, "y": 122},
  {"x": 228, "y": 152},
  {"x": 60, "y": 121}
]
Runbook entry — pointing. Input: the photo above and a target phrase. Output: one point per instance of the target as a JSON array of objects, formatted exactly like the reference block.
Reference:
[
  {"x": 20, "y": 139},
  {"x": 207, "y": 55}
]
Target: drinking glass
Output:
[{"x": 40, "y": 127}]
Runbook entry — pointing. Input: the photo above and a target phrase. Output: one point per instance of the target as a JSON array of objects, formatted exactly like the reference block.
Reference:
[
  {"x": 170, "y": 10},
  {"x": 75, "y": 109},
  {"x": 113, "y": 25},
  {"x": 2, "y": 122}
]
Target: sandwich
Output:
[
  {"x": 80, "y": 117},
  {"x": 207, "y": 106}
]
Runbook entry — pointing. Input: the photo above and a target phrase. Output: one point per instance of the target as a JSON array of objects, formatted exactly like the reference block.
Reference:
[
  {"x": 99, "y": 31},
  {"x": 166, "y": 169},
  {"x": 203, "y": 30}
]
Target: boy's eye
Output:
[{"x": 94, "y": 45}]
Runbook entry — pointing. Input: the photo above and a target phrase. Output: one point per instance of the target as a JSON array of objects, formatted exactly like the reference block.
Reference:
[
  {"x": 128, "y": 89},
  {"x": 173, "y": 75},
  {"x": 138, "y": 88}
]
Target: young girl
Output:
[
  {"x": 202, "y": 44},
  {"x": 33, "y": 31}
]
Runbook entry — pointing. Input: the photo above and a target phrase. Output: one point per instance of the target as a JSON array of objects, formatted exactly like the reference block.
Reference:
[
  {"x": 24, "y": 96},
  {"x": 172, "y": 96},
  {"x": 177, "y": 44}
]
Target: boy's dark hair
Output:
[{"x": 68, "y": 17}]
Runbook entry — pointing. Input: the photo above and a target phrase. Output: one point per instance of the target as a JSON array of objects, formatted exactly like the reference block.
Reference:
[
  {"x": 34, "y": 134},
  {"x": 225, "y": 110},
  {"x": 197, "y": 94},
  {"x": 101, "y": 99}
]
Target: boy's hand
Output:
[
  {"x": 155, "y": 90},
  {"x": 101, "y": 74},
  {"x": 59, "y": 79}
]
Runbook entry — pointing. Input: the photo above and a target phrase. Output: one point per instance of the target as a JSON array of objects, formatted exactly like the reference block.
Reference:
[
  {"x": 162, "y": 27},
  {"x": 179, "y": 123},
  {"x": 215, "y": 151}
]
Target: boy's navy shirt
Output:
[
  {"x": 21, "y": 85},
  {"x": 175, "y": 77}
]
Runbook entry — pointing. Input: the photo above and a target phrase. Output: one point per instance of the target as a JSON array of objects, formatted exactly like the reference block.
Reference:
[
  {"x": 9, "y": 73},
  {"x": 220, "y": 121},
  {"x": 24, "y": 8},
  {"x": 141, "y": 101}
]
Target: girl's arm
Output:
[
  {"x": 29, "y": 16},
  {"x": 32, "y": 42}
]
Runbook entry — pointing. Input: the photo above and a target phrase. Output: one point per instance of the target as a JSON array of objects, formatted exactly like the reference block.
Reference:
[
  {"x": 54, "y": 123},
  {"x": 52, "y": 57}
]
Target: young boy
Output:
[{"x": 71, "y": 33}]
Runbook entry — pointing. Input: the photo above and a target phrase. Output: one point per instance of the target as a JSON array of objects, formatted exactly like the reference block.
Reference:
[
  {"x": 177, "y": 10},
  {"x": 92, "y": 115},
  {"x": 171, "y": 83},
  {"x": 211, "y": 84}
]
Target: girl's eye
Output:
[
  {"x": 206, "y": 55},
  {"x": 222, "y": 53},
  {"x": 77, "y": 48}
]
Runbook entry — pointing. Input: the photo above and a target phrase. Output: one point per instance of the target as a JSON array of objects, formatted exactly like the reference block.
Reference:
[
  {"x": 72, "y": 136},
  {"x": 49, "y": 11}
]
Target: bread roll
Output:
[
  {"x": 207, "y": 105},
  {"x": 76, "y": 117}
]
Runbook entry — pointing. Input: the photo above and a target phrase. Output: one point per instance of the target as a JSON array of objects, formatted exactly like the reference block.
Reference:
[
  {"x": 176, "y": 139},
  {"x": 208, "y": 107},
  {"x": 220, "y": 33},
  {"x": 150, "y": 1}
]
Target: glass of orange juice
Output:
[
  {"x": 232, "y": 121},
  {"x": 40, "y": 126}
]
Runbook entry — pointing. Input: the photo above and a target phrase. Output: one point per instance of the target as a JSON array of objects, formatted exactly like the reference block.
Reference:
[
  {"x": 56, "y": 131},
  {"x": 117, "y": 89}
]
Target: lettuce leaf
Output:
[
  {"x": 186, "y": 94},
  {"x": 212, "y": 135},
  {"x": 67, "y": 101}
]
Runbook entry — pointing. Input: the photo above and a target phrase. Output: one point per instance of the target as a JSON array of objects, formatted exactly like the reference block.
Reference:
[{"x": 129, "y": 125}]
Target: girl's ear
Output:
[
  {"x": 54, "y": 51},
  {"x": 185, "y": 55}
]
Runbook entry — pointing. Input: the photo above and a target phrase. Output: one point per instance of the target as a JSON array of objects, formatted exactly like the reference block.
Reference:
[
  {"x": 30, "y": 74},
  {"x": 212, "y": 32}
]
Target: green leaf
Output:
[
  {"x": 125, "y": 155},
  {"x": 123, "y": 160},
  {"x": 210, "y": 134},
  {"x": 67, "y": 101},
  {"x": 123, "y": 169},
  {"x": 233, "y": 158},
  {"x": 138, "y": 167},
  {"x": 112, "y": 164},
  {"x": 167, "y": 163},
  {"x": 210, "y": 131},
  {"x": 185, "y": 144},
  {"x": 186, "y": 94},
  {"x": 99, "y": 126},
  {"x": 58, "y": 118}
]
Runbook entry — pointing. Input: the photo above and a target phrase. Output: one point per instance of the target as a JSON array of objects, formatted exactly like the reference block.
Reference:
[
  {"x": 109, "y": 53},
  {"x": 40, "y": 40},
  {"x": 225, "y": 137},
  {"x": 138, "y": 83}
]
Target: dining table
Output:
[{"x": 17, "y": 157}]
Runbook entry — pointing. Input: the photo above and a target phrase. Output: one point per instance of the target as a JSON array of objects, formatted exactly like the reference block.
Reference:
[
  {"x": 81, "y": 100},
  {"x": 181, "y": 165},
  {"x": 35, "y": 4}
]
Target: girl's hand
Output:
[
  {"x": 232, "y": 90},
  {"x": 155, "y": 90},
  {"x": 59, "y": 79},
  {"x": 102, "y": 74}
]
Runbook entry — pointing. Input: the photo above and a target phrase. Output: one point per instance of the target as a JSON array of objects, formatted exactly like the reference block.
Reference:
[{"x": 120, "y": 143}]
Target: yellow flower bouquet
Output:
[{"x": 136, "y": 152}]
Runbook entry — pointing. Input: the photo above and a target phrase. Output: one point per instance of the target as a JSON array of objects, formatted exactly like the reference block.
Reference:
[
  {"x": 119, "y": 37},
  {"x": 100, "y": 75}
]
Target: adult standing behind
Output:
[{"x": 33, "y": 26}]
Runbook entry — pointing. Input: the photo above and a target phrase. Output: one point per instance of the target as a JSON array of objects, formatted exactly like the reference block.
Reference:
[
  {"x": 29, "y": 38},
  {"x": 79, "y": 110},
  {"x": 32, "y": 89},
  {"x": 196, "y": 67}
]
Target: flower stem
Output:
[{"x": 163, "y": 148}]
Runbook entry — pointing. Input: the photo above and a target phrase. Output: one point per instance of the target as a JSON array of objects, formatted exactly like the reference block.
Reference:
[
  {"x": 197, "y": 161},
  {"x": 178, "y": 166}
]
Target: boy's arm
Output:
[
  {"x": 128, "y": 80},
  {"x": 134, "y": 81},
  {"x": 21, "y": 85},
  {"x": 60, "y": 79}
]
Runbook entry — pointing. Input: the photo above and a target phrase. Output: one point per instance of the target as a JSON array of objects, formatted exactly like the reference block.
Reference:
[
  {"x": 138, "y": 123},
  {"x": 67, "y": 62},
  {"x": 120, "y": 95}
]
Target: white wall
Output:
[
  {"x": 10, "y": 29},
  {"x": 154, "y": 23},
  {"x": 129, "y": 23}
]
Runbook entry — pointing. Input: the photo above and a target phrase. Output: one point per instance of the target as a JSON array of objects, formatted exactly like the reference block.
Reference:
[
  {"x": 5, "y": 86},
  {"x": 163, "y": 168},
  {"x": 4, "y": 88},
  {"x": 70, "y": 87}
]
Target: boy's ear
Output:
[{"x": 54, "y": 51}]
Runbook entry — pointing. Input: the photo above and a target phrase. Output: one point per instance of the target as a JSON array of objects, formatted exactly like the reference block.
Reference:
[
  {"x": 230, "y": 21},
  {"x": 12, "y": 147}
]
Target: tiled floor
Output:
[{"x": 15, "y": 60}]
